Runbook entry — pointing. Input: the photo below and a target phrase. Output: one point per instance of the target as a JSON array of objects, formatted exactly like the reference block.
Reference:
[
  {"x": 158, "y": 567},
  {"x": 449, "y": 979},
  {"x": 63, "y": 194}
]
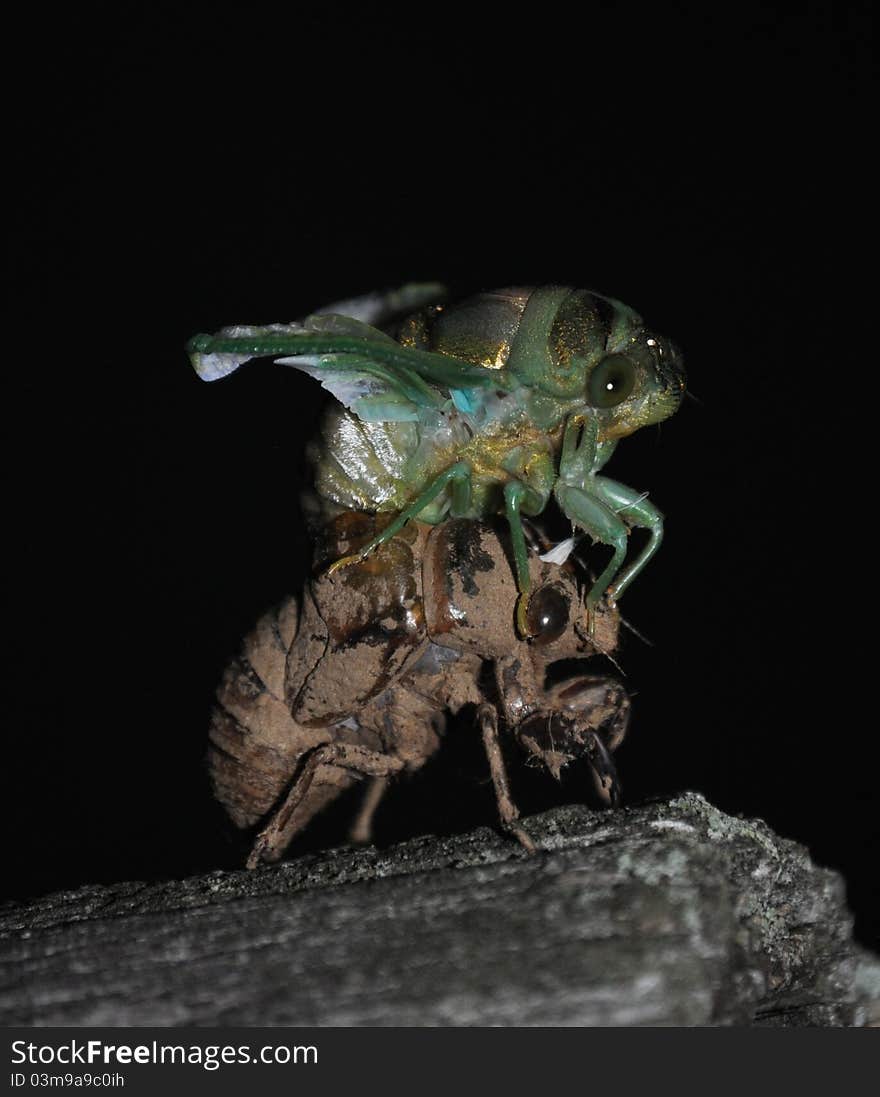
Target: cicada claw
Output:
[
  {"x": 591, "y": 616},
  {"x": 344, "y": 562},
  {"x": 521, "y": 616},
  {"x": 596, "y": 604}
]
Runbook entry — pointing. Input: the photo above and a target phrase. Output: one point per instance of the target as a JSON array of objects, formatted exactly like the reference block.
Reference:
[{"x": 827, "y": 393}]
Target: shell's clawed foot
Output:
[
  {"x": 517, "y": 832},
  {"x": 361, "y": 831},
  {"x": 605, "y": 778},
  {"x": 257, "y": 853}
]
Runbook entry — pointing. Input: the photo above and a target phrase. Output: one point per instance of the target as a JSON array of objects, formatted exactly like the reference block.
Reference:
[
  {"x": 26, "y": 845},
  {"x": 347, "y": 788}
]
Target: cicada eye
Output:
[
  {"x": 547, "y": 615},
  {"x": 612, "y": 380}
]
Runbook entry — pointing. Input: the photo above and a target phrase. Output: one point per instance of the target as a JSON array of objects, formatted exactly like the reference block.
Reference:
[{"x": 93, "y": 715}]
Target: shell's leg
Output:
[
  {"x": 359, "y": 760},
  {"x": 604, "y": 771},
  {"x": 362, "y": 828},
  {"x": 513, "y": 496},
  {"x": 638, "y": 513},
  {"x": 460, "y": 471},
  {"x": 487, "y": 716}
]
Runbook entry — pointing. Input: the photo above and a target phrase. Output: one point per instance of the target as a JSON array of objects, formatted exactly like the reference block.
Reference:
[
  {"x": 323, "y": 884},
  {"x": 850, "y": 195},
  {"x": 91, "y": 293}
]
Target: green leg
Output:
[
  {"x": 605, "y": 509},
  {"x": 513, "y": 497},
  {"x": 538, "y": 477},
  {"x": 526, "y": 495},
  {"x": 514, "y": 492},
  {"x": 598, "y": 519},
  {"x": 580, "y": 442},
  {"x": 462, "y": 490},
  {"x": 461, "y": 471},
  {"x": 638, "y": 513}
]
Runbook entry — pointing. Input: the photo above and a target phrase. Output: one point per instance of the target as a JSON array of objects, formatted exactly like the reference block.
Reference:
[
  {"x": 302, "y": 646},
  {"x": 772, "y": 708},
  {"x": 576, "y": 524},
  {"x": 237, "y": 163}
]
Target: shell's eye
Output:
[
  {"x": 612, "y": 380},
  {"x": 547, "y": 615}
]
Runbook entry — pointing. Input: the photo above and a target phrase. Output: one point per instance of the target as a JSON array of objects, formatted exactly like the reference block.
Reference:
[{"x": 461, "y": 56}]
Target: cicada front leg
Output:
[
  {"x": 637, "y": 513},
  {"x": 588, "y": 511},
  {"x": 604, "y": 509},
  {"x": 581, "y": 502}
]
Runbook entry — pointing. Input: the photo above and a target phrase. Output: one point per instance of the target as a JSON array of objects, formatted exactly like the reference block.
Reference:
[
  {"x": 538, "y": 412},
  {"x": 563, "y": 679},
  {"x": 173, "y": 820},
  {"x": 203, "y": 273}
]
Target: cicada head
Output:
[{"x": 580, "y": 351}]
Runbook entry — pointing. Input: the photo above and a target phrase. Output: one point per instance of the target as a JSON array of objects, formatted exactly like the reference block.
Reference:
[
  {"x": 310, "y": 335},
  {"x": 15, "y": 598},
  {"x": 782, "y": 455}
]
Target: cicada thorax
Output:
[
  {"x": 480, "y": 329},
  {"x": 550, "y": 336},
  {"x": 256, "y": 746}
]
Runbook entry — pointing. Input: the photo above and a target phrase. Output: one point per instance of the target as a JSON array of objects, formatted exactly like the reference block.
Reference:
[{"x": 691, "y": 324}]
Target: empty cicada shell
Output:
[{"x": 357, "y": 677}]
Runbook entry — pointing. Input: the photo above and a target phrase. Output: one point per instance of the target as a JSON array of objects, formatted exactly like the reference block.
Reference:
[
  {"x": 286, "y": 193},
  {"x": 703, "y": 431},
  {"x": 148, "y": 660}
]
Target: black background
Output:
[{"x": 708, "y": 168}]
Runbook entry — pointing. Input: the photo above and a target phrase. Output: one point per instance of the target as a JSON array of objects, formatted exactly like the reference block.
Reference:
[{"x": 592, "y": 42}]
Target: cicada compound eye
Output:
[
  {"x": 547, "y": 615},
  {"x": 612, "y": 380}
]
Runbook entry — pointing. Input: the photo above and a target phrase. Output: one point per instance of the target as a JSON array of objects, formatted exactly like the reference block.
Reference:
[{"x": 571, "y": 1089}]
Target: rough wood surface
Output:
[{"x": 671, "y": 913}]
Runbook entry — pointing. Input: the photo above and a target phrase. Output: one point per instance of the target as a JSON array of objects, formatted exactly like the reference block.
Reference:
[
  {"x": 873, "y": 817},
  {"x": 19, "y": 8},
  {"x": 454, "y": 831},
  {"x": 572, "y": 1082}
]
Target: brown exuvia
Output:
[{"x": 357, "y": 677}]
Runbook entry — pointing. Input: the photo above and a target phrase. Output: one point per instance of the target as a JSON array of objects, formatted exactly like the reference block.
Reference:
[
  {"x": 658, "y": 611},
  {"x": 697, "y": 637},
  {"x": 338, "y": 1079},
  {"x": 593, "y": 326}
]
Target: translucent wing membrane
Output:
[
  {"x": 367, "y": 390},
  {"x": 363, "y": 368}
]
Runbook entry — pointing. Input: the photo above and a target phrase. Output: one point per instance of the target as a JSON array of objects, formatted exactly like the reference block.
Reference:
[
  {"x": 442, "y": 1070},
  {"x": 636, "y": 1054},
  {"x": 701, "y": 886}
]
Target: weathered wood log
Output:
[{"x": 671, "y": 913}]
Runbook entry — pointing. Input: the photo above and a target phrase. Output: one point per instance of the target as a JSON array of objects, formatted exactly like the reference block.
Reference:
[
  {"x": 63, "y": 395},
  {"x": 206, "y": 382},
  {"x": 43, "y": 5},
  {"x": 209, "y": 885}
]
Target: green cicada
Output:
[{"x": 488, "y": 405}]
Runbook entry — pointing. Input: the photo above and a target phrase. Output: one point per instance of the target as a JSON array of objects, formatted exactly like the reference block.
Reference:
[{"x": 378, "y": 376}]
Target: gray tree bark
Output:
[{"x": 670, "y": 913}]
